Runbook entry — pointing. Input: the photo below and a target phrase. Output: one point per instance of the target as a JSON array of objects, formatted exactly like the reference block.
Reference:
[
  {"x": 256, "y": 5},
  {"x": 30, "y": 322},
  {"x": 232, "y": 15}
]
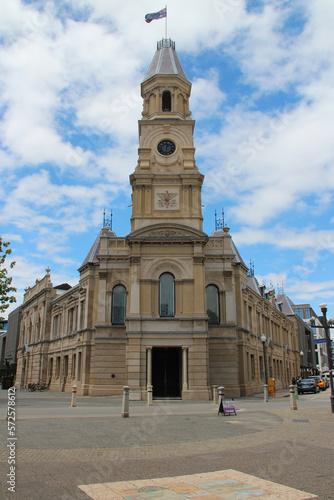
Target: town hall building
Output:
[{"x": 166, "y": 305}]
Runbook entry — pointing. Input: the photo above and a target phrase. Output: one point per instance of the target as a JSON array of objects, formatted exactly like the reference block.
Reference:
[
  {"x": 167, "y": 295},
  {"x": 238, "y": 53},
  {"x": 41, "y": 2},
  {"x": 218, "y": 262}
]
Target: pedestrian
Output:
[{"x": 293, "y": 381}]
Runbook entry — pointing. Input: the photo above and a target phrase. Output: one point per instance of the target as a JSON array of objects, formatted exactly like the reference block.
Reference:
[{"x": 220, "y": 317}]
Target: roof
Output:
[
  {"x": 166, "y": 61},
  {"x": 237, "y": 257},
  {"x": 63, "y": 286},
  {"x": 91, "y": 257},
  {"x": 253, "y": 283},
  {"x": 287, "y": 304}
]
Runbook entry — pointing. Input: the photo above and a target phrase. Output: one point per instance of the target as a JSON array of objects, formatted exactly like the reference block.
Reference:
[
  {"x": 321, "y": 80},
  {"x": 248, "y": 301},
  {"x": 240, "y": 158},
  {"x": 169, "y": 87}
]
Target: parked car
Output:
[
  {"x": 308, "y": 385},
  {"x": 325, "y": 378},
  {"x": 321, "y": 383}
]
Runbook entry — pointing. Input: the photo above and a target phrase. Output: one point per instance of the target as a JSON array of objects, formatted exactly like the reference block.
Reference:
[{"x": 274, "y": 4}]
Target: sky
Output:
[{"x": 262, "y": 74}]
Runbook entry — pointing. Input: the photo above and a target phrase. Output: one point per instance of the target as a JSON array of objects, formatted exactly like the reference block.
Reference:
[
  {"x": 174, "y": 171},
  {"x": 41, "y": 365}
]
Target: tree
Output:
[{"x": 5, "y": 281}]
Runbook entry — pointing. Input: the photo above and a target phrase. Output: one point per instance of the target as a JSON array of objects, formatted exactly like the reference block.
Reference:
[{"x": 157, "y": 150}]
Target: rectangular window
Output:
[
  {"x": 55, "y": 326},
  {"x": 65, "y": 366},
  {"x": 70, "y": 320},
  {"x": 250, "y": 322},
  {"x": 166, "y": 295},
  {"x": 50, "y": 369},
  {"x": 79, "y": 367},
  {"x": 258, "y": 323},
  {"x": 300, "y": 313},
  {"x": 58, "y": 367},
  {"x": 261, "y": 368},
  {"x": 307, "y": 313},
  {"x": 118, "y": 305},
  {"x": 74, "y": 359},
  {"x": 245, "y": 314},
  {"x": 253, "y": 366},
  {"x": 82, "y": 314}
]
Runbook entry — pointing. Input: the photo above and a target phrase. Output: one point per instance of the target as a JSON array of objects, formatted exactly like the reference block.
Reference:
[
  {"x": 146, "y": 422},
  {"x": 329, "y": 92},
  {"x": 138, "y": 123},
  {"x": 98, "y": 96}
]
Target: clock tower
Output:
[{"x": 166, "y": 184}]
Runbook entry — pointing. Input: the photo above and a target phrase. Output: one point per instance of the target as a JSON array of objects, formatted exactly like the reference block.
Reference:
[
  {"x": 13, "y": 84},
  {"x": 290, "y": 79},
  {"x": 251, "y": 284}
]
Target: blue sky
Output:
[{"x": 262, "y": 98}]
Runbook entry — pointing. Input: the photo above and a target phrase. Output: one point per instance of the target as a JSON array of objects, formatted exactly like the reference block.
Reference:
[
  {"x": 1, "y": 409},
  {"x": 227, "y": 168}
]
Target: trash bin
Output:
[{"x": 271, "y": 387}]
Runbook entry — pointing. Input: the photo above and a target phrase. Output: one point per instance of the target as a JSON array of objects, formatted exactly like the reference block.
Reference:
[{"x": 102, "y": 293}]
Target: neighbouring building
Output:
[
  {"x": 307, "y": 347},
  {"x": 166, "y": 305},
  {"x": 310, "y": 317},
  {"x": 8, "y": 347}
]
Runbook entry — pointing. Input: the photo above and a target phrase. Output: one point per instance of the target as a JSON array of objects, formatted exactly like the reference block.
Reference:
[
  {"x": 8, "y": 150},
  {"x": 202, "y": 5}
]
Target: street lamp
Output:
[
  {"x": 266, "y": 395},
  {"x": 301, "y": 362},
  {"x": 326, "y": 326}
]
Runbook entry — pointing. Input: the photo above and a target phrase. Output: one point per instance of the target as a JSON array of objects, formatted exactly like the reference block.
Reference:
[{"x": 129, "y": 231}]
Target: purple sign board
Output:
[{"x": 227, "y": 408}]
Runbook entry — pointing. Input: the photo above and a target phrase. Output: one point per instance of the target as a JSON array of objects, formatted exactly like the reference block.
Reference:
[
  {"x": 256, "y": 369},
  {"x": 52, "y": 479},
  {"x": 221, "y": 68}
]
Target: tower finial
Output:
[
  {"x": 107, "y": 222},
  {"x": 219, "y": 223}
]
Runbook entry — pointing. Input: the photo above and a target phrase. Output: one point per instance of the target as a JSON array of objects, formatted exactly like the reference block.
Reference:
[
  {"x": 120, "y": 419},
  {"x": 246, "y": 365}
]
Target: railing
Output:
[{"x": 165, "y": 43}]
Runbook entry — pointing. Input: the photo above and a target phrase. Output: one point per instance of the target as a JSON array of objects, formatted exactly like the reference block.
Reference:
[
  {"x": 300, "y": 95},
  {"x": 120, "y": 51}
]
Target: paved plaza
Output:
[{"x": 171, "y": 450}]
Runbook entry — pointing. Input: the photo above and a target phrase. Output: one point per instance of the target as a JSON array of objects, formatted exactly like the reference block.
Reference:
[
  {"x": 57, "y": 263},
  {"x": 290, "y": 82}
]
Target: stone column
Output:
[
  {"x": 101, "y": 312},
  {"x": 149, "y": 366},
  {"x": 184, "y": 368},
  {"x": 215, "y": 394},
  {"x": 150, "y": 395}
]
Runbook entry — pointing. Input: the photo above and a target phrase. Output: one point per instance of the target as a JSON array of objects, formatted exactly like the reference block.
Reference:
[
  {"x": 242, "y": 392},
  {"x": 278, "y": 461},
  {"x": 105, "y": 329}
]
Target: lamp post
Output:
[
  {"x": 266, "y": 395},
  {"x": 323, "y": 308}
]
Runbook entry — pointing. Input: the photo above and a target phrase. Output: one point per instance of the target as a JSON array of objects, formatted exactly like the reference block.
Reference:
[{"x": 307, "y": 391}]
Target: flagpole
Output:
[{"x": 166, "y": 24}]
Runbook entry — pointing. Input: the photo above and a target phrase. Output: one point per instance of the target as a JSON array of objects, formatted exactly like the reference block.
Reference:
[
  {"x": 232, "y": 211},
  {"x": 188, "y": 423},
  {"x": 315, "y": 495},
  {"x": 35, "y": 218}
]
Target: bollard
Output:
[
  {"x": 74, "y": 396},
  {"x": 265, "y": 393},
  {"x": 125, "y": 406},
  {"x": 221, "y": 394},
  {"x": 215, "y": 394},
  {"x": 296, "y": 392},
  {"x": 293, "y": 403},
  {"x": 150, "y": 395}
]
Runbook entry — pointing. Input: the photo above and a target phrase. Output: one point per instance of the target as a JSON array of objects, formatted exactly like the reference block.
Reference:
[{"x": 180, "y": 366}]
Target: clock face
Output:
[{"x": 166, "y": 147}]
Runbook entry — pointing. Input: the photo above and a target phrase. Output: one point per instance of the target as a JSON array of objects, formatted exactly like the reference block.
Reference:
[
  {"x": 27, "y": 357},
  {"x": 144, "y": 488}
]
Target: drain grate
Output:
[{"x": 300, "y": 420}]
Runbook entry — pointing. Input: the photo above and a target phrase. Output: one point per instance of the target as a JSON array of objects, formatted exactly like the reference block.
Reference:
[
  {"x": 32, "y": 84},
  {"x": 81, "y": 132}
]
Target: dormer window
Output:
[{"x": 166, "y": 101}]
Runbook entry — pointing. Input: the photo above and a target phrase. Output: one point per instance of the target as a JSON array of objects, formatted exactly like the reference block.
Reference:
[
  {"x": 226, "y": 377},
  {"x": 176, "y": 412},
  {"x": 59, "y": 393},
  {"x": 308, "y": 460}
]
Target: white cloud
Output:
[
  {"x": 313, "y": 241},
  {"x": 206, "y": 97},
  {"x": 70, "y": 75}
]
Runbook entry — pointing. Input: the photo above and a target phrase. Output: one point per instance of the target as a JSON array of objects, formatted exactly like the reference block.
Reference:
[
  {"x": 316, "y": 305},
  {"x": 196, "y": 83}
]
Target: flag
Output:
[{"x": 156, "y": 15}]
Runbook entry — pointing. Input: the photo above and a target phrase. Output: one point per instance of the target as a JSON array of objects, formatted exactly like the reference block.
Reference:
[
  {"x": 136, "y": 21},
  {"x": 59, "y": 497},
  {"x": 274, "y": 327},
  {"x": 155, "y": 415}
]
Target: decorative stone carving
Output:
[
  {"x": 198, "y": 260},
  {"x": 215, "y": 243},
  {"x": 166, "y": 199},
  {"x": 166, "y": 233}
]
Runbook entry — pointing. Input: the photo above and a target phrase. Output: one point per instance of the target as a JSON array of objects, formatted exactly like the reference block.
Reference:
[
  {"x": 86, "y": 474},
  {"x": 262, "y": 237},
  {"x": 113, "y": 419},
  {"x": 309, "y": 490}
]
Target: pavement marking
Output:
[{"x": 224, "y": 484}]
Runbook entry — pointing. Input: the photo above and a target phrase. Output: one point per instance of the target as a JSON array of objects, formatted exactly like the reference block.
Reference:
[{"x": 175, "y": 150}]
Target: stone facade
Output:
[{"x": 167, "y": 305}]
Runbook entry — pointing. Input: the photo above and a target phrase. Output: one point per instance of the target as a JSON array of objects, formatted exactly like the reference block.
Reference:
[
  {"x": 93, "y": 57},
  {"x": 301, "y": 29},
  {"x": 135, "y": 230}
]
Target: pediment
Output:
[{"x": 167, "y": 231}]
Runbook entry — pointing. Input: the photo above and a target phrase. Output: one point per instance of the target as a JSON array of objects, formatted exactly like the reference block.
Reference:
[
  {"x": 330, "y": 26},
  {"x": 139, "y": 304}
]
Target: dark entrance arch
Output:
[{"x": 166, "y": 372}]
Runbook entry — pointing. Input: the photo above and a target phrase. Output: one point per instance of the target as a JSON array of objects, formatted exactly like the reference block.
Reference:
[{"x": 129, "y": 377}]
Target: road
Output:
[{"x": 59, "y": 447}]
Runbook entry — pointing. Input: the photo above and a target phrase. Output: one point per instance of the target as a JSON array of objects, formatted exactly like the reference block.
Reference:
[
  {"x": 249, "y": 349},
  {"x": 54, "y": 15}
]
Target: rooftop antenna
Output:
[
  {"x": 219, "y": 223},
  {"x": 250, "y": 273},
  {"x": 107, "y": 222}
]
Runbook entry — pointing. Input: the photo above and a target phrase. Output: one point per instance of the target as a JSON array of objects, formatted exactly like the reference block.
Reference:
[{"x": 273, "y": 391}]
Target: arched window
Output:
[
  {"x": 118, "y": 305},
  {"x": 166, "y": 101},
  {"x": 166, "y": 295},
  {"x": 212, "y": 304}
]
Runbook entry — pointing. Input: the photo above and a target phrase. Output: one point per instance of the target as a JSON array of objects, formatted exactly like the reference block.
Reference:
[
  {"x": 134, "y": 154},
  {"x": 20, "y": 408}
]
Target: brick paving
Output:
[{"x": 60, "y": 448}]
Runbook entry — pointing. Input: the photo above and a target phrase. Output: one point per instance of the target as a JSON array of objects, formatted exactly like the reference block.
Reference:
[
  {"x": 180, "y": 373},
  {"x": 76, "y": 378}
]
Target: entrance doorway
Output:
[{"x": 166, "y": 372}]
